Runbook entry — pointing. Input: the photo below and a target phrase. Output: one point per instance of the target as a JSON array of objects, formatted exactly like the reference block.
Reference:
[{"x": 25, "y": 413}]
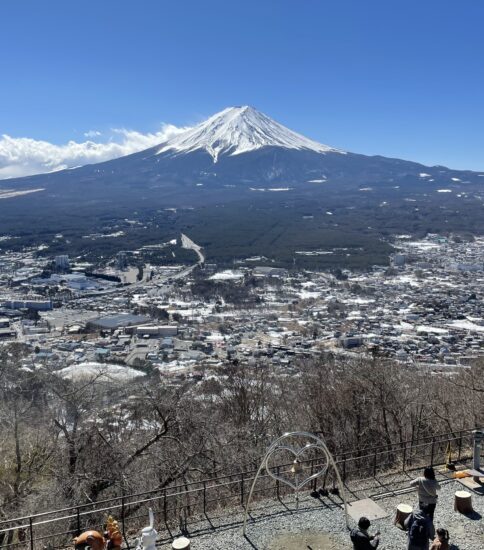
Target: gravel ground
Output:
[{"x": 274, "y": 525}]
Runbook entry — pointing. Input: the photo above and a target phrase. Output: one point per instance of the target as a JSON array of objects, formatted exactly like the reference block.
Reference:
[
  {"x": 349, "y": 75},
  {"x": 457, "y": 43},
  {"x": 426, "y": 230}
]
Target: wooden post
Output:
[{"x": 463, "y": 502}]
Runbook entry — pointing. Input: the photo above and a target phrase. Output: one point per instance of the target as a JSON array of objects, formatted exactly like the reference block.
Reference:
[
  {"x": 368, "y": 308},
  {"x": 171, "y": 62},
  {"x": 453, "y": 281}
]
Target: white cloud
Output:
[
  {"x": 92, "y": 133},
  {"x": 25, "y": 156}
]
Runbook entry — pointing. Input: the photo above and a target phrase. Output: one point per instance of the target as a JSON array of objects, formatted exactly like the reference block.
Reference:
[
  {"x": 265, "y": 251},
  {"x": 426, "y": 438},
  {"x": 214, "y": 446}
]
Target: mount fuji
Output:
[
  {"x": 241, "y": 147},
  {"x": 260, "y": 175}
]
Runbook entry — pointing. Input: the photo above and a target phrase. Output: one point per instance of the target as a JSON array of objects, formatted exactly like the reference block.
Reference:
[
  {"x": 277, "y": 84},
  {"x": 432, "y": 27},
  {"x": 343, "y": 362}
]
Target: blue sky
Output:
[{"x": 398, "y": 78}]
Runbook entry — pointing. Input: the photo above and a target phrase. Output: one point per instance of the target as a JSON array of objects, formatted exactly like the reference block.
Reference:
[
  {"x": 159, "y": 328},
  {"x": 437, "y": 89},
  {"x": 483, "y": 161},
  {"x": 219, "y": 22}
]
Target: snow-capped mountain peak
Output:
[{"x": 237, "y": 130}]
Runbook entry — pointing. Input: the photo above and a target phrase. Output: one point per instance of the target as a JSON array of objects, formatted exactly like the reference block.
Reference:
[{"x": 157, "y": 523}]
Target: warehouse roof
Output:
[{"x": 119, "y": 320}]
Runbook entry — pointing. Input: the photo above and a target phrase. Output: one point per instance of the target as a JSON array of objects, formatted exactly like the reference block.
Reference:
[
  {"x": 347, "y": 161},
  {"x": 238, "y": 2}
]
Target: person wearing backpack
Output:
[
  {"x": 420, "y": 529},
  {"x": 427, "y": 490},
  {"x": 360, "y": 537}
]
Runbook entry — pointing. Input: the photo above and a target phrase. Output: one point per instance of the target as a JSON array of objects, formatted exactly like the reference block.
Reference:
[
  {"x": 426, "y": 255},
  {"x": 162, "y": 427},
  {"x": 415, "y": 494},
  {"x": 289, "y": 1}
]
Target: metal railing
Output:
[{"x": 178, "y": 504}]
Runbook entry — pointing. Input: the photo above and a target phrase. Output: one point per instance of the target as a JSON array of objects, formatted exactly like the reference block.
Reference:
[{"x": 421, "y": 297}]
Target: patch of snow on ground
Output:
[
  {"x": 467, "y": 325},
  {"x": 424, "y": 245},
  {"x": 406, "y": 279},
  {"x": 215, "y": 337},
  {"x": 256, "y": 259},
  {"x": 103, "y": 371},
  {"x": 434, "y": 330},
  {"x": 228, "y": 275},
  {"x": 276, "y": 189},
  {"x": 358, "y": 301},
  {"x": 313, "y": 252},
  {"x": 10, "y": 193},
  {"x": 307, "y": 295}
]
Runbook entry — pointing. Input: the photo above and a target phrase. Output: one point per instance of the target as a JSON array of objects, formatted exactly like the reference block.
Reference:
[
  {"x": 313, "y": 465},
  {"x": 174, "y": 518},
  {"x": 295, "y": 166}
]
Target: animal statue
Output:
[
  {"x": 147, "y": 541},
  {"x": 113, "y": 534},
  {"x": 93, "y": 540},
  {"x": 89, "y": 539}
]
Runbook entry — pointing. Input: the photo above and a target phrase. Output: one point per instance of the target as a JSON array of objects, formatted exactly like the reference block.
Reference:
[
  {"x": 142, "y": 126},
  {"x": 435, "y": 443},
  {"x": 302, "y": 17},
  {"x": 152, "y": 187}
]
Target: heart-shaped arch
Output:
[
  {"x": 280, "y": 445},
  {"x": 297, "y": 454}
]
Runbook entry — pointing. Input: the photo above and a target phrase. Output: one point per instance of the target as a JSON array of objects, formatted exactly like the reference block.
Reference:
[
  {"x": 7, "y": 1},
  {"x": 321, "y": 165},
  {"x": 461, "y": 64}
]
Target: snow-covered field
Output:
[{"x": 102, "y": 371}]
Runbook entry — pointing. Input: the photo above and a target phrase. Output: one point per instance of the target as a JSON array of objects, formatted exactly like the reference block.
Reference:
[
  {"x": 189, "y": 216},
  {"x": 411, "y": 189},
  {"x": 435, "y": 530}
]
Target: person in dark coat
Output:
[
  {"x": 360, "y": 537},
  {"x": 420, "y": 529}
]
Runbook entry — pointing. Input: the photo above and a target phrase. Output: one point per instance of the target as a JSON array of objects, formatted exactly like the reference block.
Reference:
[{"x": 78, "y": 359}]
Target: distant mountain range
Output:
[{"x": 241, "y": 156}]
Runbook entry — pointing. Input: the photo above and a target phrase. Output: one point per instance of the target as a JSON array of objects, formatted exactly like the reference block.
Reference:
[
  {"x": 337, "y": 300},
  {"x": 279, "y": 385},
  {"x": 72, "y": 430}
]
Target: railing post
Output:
[
  {"x": 344, "y": 468},
  {"x": 31, "y": 533},
  {"x": 205, "y": 497},
  {"x": 404, "y": 459},
  {"x": 242, "y": 496},
  {"x": 315, "y": 480},
  {"x": 277, "y": 484},
  {"x": 374, "y": 464},
  {"x": 123, "y": 521},
  {"x": 78, "y": 518},
  {"x": 432, "y": 452},
  {"x": 459, "y": 448},
  {"x": 165, "y": 516}
]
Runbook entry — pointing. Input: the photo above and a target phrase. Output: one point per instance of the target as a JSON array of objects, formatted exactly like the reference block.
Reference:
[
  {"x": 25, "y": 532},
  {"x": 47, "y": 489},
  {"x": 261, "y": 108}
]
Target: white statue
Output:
[{"x": 147, "y": 541}]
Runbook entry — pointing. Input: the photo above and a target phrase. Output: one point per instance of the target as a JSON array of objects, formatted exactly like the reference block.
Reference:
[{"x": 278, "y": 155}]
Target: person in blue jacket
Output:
[{"x": 420, "y": 529}]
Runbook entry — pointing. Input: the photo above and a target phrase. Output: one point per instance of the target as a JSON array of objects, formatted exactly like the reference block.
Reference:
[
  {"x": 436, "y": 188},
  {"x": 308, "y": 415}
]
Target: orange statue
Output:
[{"x": 91, "y": 539}]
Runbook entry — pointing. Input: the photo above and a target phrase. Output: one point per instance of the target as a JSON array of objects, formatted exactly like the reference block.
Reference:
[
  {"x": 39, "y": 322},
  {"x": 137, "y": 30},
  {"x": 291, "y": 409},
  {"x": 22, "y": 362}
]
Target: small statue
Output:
[
  {"x": 148, "y": 537},
  {"x": 92, "y": 539},
  {"x": 113, "y": 534}
]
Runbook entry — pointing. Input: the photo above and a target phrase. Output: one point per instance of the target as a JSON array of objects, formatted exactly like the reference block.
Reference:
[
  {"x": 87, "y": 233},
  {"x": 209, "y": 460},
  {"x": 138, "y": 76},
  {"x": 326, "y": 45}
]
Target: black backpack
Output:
[{"x": 418, "y": 534}]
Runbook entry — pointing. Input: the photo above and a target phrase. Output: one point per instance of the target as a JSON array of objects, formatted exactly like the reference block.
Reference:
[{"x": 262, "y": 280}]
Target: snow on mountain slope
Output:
[{"x": 238, "y": 130}]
